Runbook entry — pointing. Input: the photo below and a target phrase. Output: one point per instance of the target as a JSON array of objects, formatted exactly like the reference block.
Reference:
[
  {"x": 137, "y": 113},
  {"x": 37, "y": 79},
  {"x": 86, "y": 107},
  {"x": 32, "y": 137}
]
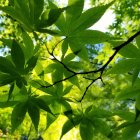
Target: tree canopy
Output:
[{"x": 60, "y": 79}]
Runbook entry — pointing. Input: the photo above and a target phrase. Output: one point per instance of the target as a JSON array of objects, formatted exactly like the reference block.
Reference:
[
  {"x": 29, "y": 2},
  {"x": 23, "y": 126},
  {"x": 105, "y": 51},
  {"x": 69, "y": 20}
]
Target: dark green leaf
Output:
[
  {"x": 138, "y": 102},
  {"x": 7, "y": 42},
  {"x": 42, "y": 104},
  {"x": 6, "y": 79},
  {"x": 10, "y": 91},
  {"x": 86, "y": 130},
  {"x": 101, "y": 126},
  {"x": 17, "y": 56},
  {"x": 31, "y": 63},
  {"x": 50, "y": 18},
  {"x": 21, "y": 6},
  {"x": 7, "y": 104},
  {"x": 131, "y": 131},
  {"x": 36, "y": 8},
  {"x": 34, "y": 113},
  {"x": 18, "y": 115},
  {"x": 61, "y": 20},
  {"x": 6, "y": 66}
]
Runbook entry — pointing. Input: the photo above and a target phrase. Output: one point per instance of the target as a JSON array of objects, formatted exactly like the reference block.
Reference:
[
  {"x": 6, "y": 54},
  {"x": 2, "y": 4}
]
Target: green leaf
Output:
[
  {"x": 75, "y": 65},
  {"x": 101, "y": 126},
  {"x": 131, "y": 131},
  {"x": 34, "y": 113},
  {"x": 50, "y": 18},
  {"x": 74, "y": 5},
  {"x": 6, "y": 79},
  {"x": 51, "y": 32},
  {"x": 138, "y": 41},
  {"x": 78, "y": 49},
  {"x": 61, "y": 20},
  {"x": 22, "y": 6},
  {"x": 90, "y": 17},
  {"x": 7, "y": 42},
  {"x": 135, "y": 74},
  {"x": 64, "y": 48},
  {"x": 91, "y": 37},
  {"x": 71, "y": 15},
  {"x": 7, "y": 104},
  {"x": 73, "y": 80},
  {"x": 36, "y": 8},
  {"x": 86, "y": 130},
  {"x": 57, "y": 74},
  {"x": 6, "y": 66},
  {"x": 42, "y": 104},
  {"x": 59, "y": 106},
  {"x": 31, "y": 63},
  {"x": 10, "y": 91},
  {"x": 128, "y": 93},
  {"x": 69, "y": 57},
  {"x": 28, "y": 45},
  {"x": 50, "y": 68},
  {"x": 124, "y": 66},
  {"x": 67, "y": 127},
  {"x": 17, "y": 56},
  {"x": 130, "y": 51},
  {"x": 99, "y": 113},
  {"x": 50, "y": 119},
  {"x": 138, "y": 102},
  {"x": 18, "y": 115},
  {"x": 126, "y": 115},
  {"x": 67, "y": 90}
]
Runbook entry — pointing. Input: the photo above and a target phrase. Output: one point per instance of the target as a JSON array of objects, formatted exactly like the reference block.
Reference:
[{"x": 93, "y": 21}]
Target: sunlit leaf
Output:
[
  {"x": 90, "y": 17},
  {"x": 28, "y": 45},
  {"x": 50, "y": 119}
]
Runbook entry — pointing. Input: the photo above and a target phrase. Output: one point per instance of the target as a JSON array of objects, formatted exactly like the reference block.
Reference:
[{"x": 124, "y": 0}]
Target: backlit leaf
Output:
[
  {"x": 17, "y": 56},
  {"x": 18, "y": 115},
  {"x": 34, "y": 113},
  {"x": 90, "y": 17},
  {"x": 86, "y": 130}
]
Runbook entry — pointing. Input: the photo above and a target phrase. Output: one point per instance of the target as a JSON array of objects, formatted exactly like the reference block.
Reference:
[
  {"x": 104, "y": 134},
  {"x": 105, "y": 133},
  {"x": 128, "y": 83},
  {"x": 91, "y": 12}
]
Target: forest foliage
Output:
[{"x": 57, "y": 72}]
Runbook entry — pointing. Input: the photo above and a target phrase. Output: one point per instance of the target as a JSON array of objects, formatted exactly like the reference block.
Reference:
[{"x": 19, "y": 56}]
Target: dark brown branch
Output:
[
  {"x": 62, "y": 80},
  {"x": 101, "y": 70},
  {"x": 88, "y": 88},
  {"x": 117, "y": 49}
]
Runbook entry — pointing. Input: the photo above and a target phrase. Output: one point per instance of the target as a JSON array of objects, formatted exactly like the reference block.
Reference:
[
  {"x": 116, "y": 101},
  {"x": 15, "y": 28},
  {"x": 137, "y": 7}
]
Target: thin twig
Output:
[{"x": 88, "y": 88}]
